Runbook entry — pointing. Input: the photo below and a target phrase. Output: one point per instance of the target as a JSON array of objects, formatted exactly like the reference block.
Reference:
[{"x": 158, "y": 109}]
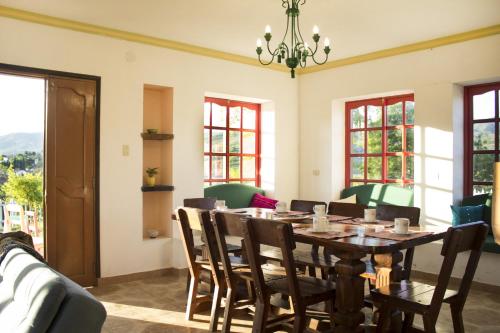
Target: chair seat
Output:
[
  {"x": 236, "y": 262},
  {"x": 310, "y": 288},
  {"x": 409, "y": 294},
  {"x": 233, "y": 249},
  {"x": 271, "y": 272}
]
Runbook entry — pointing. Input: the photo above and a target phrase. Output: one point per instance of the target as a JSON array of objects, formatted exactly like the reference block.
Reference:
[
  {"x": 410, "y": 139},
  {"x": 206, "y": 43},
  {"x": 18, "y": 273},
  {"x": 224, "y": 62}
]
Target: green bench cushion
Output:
[
  {"x": 486, "y": 200},
  {"x": 375, "y": 194},
  {"x": 235, "y": 195}
]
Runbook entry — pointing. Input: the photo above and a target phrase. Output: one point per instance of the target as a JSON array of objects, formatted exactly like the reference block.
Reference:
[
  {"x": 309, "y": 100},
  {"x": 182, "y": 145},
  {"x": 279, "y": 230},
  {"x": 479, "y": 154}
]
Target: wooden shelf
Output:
[
  {"x": 157, "y": 136},
  {"x": 157, "y": 188}
]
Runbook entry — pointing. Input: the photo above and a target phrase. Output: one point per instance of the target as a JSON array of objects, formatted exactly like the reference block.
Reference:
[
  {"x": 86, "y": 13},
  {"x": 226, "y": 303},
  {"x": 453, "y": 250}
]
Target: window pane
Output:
[
  {"x": 206, "y": 184},
  {"x": 206, "y": 167},
  {"x": 357, "y": 167},
  {"x": 249, "y": 167},
  {"x": 206, "y": 140},
  {"x": 357, "y": 183},
  {"x": 218, "y": 167},
  {"x": 410, "y": 112},
  {"x": 394, "y": 141},
  {"x": 484, "y": 105},
  {"x": 374, "y": 116},
  {"x": 409, "y": 139},
  {"x": 234, "y": 167},
  {"x": 358, "y": 117},
  {"x": 206, "y": 114},
  {"x": 248, "y": 143},
  {"x": 235, "y": 117},
  {"x": 394, "y": 167},
  {"x": 249, "y": 120},
  {"x": 374, "y": 142},
  {"x": 484, "y": 136},
  {"x": 374, "y": 167},
  {"x": 234, "y": 141},
  {"x": 218, "y": 115},
  {"x": 410, "y": 167},
  {"x": 481, "y": 189},
  {"x": 357, "y": 142},
  {"x": 218, "y": 141},
  {"x": 482, "y": 167},
  {"x": 395, "y": 114}
]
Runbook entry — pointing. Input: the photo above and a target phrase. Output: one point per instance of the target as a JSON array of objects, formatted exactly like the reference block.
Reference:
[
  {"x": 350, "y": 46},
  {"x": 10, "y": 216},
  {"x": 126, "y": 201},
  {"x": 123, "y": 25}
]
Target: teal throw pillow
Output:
[{"x": 467, "y": 214}]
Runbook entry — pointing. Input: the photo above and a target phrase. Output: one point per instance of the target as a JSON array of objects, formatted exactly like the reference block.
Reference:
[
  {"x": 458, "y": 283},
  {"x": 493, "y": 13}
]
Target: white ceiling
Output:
[{"x": 354, "y": 26}]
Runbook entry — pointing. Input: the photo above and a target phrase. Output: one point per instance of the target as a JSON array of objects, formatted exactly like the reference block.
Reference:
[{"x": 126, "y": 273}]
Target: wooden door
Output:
[{"x": 70, "y": 178}]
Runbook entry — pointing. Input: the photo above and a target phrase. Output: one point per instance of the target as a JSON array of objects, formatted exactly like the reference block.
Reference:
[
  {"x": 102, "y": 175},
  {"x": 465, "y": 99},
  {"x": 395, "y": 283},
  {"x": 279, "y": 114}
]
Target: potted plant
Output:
[{"x": 151, "y": 179}]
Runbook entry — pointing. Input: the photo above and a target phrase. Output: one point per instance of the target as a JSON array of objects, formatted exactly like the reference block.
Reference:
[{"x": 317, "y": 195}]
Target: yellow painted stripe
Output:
[
  {"x": 198, "y": 50},
  {"x": 425, "y": 45},
  {"x": 130, "y": 36}
]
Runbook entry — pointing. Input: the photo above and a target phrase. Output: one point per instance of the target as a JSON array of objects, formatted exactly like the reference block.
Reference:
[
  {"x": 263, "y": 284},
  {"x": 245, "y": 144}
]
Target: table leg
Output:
[
  {"x": 389, "y": 270},
  {"x": 350, "y": 292}
]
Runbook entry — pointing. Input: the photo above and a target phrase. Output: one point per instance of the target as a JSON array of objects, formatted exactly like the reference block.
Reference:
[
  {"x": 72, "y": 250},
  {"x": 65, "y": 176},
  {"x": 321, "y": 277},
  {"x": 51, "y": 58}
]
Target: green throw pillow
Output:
[{"x": 467, "y": 214}]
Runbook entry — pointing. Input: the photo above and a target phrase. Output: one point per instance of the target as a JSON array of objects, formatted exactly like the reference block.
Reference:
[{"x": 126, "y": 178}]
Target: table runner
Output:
[
  {"x": 388, "y": 234},
  {"x": 324, "y": 235},
  {"x": 360, "y": 221}
]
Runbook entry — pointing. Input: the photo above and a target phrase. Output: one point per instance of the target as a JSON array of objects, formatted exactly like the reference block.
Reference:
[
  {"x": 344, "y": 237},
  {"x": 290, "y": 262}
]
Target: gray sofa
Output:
[{"x": 34, "y": 298}]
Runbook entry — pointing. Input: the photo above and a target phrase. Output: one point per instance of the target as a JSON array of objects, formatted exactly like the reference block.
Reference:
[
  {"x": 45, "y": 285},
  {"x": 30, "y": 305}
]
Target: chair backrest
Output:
[
  {"x": 187, "y": 218},
  {"x": 210, "y": 241},
  {"x": 276, "y": 234},
  {"x": 235, "y": 195},
  {"x": 390, "y": 212},
  {"x": 462, "y": 238},
  {"x": 201, "y": 203},
  {"x": 305, "y": 205},
  {"x": 227, "y": 224},
  {"x": 346, "y": 209}
]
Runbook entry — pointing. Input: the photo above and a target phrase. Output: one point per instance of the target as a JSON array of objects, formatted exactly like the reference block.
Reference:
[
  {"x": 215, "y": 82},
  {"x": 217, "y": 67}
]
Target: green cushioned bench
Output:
[
  {"x": 235, "y": 195},
  {"x": 484, "y": 199},
  {"x": 375, "y": 194}
]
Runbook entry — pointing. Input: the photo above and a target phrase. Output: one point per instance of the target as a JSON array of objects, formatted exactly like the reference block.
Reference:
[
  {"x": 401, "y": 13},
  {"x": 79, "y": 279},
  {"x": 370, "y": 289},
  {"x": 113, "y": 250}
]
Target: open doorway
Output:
[{"x": 22, "y": 123}]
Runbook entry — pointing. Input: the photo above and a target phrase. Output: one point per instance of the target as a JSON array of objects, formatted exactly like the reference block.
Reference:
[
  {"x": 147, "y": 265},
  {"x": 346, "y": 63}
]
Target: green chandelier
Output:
[{"x": 297, "y": 53}]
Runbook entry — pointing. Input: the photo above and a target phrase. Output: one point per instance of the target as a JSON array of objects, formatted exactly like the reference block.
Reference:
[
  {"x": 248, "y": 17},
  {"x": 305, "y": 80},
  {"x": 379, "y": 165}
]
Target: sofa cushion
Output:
[
  {"x": 261, "y": 201},
  {"x": 466, "y": 214},
  {"x": 235, "y": 195},
  {"x": 374, "y": 194},
  {"x": 30, "y": 293},
  {"x": 352, "y": 199},
  {"x": 490, "y": 245},
  {"x": 481, "y": 199}
]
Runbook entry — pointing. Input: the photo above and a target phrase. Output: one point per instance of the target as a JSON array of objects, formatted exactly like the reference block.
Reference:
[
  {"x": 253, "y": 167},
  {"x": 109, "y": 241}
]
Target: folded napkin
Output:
[{"x": 324, "y": 235}]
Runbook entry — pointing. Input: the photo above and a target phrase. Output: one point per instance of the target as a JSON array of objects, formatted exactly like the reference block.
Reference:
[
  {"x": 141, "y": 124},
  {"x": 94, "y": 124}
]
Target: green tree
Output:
[{"x": 24, "y": 189}]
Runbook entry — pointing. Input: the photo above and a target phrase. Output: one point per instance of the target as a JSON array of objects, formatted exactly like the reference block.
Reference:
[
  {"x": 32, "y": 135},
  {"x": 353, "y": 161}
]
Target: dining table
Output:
[{"x": 344, "y": 242}]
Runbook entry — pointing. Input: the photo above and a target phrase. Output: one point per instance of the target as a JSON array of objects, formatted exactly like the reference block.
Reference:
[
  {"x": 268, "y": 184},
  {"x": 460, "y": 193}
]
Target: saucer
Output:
[{"x": 409, "y": 232}]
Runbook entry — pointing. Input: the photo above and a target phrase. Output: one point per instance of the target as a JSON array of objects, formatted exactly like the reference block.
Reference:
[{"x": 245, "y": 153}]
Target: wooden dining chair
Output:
[
  {"x": 346, "y": 209},
  {"x": 389, "y": 213},
  {"x": 426, "y": 300},
  {"x": 305, "y": 205},
  {"x": 189, "y": 220},
  {"x": 200, "y": 203},
  {"x": 304, "y": 291}
]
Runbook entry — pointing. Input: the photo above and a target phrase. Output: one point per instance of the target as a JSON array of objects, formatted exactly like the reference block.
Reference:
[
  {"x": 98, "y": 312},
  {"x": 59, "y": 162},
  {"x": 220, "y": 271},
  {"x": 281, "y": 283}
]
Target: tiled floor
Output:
[{"x": 157, "y": 305}]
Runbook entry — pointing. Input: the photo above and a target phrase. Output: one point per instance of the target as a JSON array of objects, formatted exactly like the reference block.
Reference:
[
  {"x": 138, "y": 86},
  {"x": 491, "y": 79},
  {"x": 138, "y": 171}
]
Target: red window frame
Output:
[
  {"x": 384, "y": 154},
  {"x": 469, "y": 93},
  {"x": 229, "y": 104}
]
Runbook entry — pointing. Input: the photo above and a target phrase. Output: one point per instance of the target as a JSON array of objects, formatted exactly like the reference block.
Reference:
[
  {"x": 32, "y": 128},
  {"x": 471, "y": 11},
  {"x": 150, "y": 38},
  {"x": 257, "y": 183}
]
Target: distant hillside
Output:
[{"x": 15, "y": 143}]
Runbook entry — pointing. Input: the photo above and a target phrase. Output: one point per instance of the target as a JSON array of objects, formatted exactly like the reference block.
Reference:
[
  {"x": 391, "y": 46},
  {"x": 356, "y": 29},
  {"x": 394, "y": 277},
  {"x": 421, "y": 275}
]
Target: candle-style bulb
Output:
[
  {"x": 268, "y": 29},
  {"x": 327, "y": 42},
  {"x": 315, "y": 30},
  {"x": 259, "y": 42}
]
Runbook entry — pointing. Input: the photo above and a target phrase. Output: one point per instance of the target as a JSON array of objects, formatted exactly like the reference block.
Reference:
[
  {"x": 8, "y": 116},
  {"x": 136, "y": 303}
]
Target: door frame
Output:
[{"x": 45, "y": 73}]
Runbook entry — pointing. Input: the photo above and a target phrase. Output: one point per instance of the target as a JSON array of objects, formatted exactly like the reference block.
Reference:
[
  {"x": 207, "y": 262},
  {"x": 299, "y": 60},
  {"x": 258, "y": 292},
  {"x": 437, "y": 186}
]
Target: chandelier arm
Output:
[
  {"x": 285, "y": 4},
  {"x": 320, "y": 63},
  {"x": 266, "y": 63}
]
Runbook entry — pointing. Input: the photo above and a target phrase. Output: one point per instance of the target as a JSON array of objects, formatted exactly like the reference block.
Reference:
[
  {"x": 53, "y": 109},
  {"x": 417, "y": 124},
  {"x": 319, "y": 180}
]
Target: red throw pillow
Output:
[{"x": 260, "y": 201}]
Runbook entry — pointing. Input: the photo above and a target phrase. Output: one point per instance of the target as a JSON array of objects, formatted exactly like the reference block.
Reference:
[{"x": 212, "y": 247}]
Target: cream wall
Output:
[
  {"x": 124, "y": 67},
  {"x": 436, "y": 77}
]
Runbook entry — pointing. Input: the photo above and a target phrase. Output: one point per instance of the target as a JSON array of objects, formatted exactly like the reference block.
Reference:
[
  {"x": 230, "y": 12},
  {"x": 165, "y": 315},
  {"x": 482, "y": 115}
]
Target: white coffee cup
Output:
[
  {"x": 220, "y": 204},
  {"x": 401, "y": 225},
  {"x": 281, "y": 207},
  {"x": 269, "y": 215},
  {"x": 319, "y": 210},
  {"x": 320, "y": 223},
  {"x": 370, "y": 215}
]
